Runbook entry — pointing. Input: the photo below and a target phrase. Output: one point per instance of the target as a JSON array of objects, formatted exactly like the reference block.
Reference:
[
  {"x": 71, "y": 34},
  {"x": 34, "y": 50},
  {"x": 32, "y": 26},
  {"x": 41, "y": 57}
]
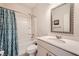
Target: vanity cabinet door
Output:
[
  {"x": 41, "y": 51},
  {"x": 44, "y": 52}
]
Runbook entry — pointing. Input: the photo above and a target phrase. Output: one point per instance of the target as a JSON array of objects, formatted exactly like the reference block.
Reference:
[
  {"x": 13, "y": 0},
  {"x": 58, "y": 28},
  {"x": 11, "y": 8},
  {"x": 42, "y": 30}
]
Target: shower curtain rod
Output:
[
  {"x": 18, "y": 11},
  {"x": 22, "y": 13},
  {"x": 25, "y": 14}
]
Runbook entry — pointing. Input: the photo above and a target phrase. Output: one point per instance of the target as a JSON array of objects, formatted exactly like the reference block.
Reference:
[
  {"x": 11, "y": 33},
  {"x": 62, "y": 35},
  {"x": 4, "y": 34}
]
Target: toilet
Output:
[{"x": 31, "y": 48}]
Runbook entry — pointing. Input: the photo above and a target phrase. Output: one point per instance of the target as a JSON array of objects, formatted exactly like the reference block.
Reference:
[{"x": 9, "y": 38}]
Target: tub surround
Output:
[{"x": 68, "y": 45}]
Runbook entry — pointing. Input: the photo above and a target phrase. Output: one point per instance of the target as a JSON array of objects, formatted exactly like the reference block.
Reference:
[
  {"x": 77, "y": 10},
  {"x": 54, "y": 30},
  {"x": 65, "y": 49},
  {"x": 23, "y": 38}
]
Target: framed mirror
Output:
[{"x": 62, "y": 18}]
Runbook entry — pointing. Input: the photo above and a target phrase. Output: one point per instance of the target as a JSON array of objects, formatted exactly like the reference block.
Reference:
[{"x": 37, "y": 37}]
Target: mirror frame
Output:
[{"x": 71, "y": 19}]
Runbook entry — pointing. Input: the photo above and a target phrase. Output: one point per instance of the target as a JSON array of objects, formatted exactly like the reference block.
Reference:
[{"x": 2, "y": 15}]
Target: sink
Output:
[{"x": 57, "y": 40}]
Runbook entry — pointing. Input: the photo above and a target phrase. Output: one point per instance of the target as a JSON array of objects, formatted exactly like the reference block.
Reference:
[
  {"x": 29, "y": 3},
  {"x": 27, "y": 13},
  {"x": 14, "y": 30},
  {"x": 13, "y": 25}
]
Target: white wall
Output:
[
  {"x": 43, "y": 19},
  {"x": 40, "y": 13}
]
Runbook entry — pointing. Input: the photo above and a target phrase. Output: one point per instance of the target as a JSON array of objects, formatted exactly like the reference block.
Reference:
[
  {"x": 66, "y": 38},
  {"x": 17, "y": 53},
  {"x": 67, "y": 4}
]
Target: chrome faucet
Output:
[{"x": 58, "y": 37}]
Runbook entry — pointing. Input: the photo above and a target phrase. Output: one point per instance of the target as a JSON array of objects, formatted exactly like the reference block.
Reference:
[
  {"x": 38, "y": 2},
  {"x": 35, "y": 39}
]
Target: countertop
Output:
[{"x": 69, "y": 45}]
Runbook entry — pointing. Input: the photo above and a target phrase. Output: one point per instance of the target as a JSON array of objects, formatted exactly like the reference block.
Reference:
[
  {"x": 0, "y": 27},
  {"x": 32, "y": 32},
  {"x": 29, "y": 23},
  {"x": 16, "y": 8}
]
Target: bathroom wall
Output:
[
  {"x": 42, "y": 13},
  {"x": 23, "y": 25}
]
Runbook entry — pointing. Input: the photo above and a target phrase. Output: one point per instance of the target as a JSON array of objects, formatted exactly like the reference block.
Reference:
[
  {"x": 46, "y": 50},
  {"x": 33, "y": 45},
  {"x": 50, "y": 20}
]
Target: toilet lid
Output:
[{"x": 32, "y": 47}]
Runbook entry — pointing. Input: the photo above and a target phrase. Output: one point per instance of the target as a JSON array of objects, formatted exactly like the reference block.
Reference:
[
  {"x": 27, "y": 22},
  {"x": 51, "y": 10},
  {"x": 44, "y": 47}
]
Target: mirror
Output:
[{"x": 62, "y": 18}]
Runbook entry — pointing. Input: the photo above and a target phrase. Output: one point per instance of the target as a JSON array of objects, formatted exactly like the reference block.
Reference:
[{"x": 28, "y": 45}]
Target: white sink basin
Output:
[{"x": 57, "y": 40}]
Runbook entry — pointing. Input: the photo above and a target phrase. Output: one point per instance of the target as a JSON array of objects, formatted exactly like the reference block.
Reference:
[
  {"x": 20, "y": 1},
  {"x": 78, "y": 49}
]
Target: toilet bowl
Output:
[{"x": 31, "y": 48}]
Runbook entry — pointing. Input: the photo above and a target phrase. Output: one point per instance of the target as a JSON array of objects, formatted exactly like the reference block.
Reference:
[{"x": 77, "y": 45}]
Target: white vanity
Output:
[{"x": 51, "y": 46}]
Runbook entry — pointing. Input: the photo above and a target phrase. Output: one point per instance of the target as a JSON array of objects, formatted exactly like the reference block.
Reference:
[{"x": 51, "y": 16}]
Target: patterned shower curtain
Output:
[{"x": 8, "y": 35}]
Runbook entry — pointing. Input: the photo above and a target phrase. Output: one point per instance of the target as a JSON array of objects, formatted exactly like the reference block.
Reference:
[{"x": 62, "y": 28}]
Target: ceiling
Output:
[
  {"x": 28, "y": 5},
  {"x": 33, "y": 5}
]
